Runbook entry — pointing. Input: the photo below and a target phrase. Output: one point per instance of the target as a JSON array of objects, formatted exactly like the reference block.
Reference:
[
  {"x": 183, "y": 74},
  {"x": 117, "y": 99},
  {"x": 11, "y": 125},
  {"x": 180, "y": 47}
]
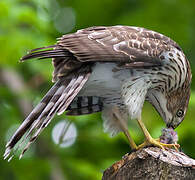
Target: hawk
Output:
[{"x": 113, "y": 70}]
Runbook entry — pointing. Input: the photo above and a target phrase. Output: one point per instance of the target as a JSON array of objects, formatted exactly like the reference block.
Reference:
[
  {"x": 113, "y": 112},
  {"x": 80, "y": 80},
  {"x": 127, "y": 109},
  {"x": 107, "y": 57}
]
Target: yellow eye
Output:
[{"x": 180, "y": 113}]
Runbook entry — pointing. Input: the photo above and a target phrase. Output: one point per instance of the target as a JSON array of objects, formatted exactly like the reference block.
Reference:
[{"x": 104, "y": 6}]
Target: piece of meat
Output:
[{"x": 169, "y": 136}]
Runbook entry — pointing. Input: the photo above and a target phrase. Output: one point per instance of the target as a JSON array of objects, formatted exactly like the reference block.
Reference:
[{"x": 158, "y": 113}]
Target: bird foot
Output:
[{"x": 157, "y": 143}]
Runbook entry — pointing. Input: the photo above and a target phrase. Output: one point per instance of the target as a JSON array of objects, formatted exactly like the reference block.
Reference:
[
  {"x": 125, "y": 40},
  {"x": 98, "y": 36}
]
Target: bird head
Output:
[
  {"x": 171, "y": 106},
  {"x": 177, "y": 105},
  {"x": 172, "y": 101}
]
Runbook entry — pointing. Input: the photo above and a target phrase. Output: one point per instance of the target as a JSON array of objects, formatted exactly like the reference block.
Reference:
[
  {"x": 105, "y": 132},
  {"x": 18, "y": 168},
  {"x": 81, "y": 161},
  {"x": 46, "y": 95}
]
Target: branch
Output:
[{"x": 152, "y": 163}]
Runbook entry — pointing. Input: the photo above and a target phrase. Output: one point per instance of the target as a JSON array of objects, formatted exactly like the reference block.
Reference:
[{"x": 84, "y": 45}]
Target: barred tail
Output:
[
  {"x": 56, "y": 100},
  {"x": 85, "y": 105}
]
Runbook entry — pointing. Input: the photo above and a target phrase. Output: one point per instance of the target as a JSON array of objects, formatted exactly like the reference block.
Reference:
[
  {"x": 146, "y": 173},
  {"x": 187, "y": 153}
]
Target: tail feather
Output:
[
  {"x": 47, "y": 108},
  {"x": 66, "y": 98},
  {"x": 63, "y": 106},
  {"x": 32, "y": 116},
  {"x": 85, "y": 105},
  {"x": 62, "y": 93},
  {"x": 31, "y": 121}
]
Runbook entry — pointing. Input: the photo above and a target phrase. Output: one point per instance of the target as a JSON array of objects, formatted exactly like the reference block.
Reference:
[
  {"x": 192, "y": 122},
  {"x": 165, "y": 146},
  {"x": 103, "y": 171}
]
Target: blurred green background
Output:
[{"x": 25, "y": 25}]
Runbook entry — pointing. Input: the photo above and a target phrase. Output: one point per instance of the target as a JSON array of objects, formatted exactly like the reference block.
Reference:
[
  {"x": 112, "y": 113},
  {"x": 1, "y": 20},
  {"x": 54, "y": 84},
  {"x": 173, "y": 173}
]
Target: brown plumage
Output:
[{"x": 98, "y": 68}]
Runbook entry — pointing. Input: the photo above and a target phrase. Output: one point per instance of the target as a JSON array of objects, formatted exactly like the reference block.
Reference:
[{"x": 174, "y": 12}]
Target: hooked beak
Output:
[{"x": 170, "y": 125}]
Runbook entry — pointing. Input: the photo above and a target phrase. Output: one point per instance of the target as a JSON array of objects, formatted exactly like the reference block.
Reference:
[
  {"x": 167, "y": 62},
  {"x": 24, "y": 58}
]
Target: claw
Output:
[
  {"x": 157, "y": 143},
  {"x": 172, "y": 145}
]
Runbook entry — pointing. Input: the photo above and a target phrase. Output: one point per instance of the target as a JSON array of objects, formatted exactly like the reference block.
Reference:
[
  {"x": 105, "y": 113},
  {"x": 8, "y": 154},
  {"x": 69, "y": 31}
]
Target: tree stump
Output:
[{"x": 152, "y": 163}]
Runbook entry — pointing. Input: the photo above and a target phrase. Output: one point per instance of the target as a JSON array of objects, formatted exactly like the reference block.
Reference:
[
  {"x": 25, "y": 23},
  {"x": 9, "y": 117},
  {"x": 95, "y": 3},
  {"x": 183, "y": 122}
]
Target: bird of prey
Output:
[{"x": 114, "y": 70}]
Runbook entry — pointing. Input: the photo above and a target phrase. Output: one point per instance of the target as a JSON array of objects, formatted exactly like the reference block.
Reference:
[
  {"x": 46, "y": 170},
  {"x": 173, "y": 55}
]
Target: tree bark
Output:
[{"x": 152, "y": 163}]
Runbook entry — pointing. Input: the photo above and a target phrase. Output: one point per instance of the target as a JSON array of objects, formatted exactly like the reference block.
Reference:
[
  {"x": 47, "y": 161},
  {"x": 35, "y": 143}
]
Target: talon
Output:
[
  {"x": 176, "y": 146},
  {"x": 157, "y": 143},
  {"x": 153, "y": 142}
]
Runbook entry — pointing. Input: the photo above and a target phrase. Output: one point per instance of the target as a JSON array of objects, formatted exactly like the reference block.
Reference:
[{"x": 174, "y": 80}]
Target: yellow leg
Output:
[
  {"x": 123, "y": 126},
  {"x": 150, "y": 141}
]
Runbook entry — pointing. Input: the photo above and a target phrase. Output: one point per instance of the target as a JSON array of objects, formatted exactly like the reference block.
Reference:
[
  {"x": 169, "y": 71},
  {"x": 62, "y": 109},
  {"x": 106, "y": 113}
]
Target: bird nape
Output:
[{"x": 113, "y": 70}]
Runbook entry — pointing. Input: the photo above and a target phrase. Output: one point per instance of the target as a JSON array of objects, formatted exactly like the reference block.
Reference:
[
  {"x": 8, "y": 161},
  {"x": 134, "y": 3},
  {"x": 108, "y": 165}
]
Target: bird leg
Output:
[
  {"x": 119, "y": 117},
  {"x": 151, "y": 141}
]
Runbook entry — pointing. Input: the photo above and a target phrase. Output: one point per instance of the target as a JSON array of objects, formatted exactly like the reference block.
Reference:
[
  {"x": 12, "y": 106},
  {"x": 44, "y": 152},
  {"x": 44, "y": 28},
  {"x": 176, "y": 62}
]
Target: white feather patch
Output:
[
  {"x": 112, "y": 125},
  {"x": 133, "y": 94}
]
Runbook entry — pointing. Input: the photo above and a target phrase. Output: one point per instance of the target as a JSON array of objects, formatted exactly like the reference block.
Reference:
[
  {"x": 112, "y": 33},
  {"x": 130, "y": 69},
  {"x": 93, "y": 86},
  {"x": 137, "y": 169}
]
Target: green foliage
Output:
[{"x": 25, "y": 25}]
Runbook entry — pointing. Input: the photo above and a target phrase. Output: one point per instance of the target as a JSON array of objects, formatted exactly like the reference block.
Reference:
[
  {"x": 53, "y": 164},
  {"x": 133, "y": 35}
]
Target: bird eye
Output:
[{"x": 180, "y": 113}]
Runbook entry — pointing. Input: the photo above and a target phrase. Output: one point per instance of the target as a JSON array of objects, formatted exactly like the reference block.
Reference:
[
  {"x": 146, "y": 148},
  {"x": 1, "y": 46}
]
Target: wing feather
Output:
[
  {"x": 130, "y": 47},
  {"x": 118, "y": 44}
]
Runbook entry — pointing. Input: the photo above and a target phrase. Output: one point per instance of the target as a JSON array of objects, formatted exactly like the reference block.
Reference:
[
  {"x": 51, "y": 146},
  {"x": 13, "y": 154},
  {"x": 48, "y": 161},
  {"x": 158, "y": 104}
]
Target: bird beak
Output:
[{"x": 170, "y": 125}]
